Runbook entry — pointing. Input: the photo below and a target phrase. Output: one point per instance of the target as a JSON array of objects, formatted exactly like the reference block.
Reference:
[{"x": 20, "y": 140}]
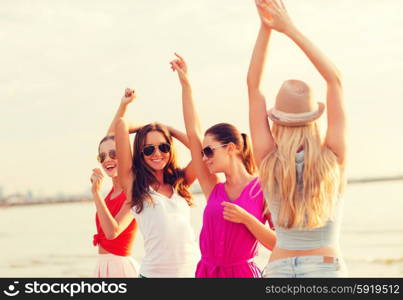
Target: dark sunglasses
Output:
[
  {"x": 209, "y": 151},
  {"x": 150, "y": 149},
  {"x": 102, "y": 156}
]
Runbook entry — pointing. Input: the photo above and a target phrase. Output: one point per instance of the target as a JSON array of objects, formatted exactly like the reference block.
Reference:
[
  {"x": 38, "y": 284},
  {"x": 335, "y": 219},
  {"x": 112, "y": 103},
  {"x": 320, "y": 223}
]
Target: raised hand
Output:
[
  {"x": 179, "y": 65},
  {"x": 234, "y": 213},
  {"x": 263, "y": 14},
  {"x": 96, "y": 180},
  {"x": 129, "y": 96},
  {"x": 273, "y": 14}
]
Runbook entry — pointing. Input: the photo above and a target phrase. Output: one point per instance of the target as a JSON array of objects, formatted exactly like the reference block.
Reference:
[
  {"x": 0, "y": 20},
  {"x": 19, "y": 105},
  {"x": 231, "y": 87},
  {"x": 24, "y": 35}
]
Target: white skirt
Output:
[{"x": 110, "y": 265}]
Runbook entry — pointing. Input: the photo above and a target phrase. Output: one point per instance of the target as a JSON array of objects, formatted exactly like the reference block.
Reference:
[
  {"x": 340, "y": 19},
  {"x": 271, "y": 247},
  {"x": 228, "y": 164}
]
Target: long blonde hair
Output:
[{"x": 310, "y": 206}]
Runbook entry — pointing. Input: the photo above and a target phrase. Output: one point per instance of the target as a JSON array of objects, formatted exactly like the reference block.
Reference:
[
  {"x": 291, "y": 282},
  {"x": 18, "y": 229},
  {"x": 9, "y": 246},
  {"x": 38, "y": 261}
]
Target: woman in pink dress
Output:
[{"x": 233, "y": 219}]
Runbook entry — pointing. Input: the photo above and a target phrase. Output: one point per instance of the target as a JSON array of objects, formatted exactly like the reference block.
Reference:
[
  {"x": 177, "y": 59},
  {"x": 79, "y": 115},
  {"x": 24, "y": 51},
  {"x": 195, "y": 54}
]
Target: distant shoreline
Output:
[
  {"x": 46, "y": 201},
  {"x": 5, "y": 204},
  {"x": 374, "y": 179}
]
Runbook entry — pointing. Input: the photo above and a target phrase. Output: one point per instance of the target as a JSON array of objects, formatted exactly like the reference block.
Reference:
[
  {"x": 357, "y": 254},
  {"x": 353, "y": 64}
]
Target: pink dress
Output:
[{"x": 228, "y": 248}]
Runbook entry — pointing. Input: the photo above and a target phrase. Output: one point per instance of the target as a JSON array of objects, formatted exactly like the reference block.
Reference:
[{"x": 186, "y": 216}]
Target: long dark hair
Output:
[
  {"x": 228, "y": 133},
  {"x": 144, "y": 175}
]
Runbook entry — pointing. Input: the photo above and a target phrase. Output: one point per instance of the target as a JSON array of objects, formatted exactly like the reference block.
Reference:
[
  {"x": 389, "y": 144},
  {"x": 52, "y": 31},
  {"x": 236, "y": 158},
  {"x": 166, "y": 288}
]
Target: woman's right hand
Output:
[
  {"x": 274, "y": 15},
  {"x": 179, "y": 65},
  {"x": 129, "y": 96},
  {"x": 96, "y": 180}
]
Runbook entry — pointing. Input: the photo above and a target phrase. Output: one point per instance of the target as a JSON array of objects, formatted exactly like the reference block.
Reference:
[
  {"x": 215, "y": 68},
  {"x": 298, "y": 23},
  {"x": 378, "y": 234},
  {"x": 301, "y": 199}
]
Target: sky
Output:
[{"x": 65, "y": 65}]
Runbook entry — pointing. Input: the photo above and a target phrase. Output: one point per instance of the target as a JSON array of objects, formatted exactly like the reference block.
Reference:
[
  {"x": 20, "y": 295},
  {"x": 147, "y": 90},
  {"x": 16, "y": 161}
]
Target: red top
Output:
[{"x": 122, "y": 244}]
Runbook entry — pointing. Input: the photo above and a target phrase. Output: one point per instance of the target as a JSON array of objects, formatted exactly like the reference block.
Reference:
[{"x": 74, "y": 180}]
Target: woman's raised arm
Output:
[
  {"x": 262, "y": 139},
  {"x": 336, "y": 134},
  {"x": 207, "y": 181}
]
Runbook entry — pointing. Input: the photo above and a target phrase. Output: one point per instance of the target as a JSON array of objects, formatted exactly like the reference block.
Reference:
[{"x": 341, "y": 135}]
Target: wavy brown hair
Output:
[{"x": 144, "y": 175}]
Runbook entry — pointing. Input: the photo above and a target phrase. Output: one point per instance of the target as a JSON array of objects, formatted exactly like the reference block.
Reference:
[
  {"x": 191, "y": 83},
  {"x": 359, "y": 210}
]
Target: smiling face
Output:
[
  {"x": 109, "y": 165},
  {"x": 158, "y": 159},
  {"x": 220, "y": 158}
]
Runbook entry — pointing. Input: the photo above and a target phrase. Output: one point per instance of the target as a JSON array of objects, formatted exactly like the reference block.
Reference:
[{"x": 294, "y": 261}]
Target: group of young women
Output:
[{"x": 286, "y": 175}]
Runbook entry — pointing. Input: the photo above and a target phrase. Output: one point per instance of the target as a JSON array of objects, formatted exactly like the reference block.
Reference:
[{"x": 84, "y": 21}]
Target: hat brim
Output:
[{"x": 317, "y": 115}]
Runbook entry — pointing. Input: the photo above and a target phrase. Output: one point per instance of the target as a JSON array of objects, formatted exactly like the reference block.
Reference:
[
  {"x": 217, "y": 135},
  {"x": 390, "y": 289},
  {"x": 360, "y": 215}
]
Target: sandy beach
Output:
[{"x": 55, "y": 240}]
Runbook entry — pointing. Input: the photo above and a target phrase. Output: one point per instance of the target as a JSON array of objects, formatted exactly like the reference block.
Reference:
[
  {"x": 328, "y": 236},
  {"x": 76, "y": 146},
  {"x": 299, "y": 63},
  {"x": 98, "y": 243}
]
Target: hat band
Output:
[{"x": 291, "y": 117}]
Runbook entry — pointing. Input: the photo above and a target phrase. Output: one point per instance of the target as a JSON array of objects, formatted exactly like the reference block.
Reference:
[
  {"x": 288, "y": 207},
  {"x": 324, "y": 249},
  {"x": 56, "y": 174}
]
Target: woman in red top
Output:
[{"x": 114, "y": 258}]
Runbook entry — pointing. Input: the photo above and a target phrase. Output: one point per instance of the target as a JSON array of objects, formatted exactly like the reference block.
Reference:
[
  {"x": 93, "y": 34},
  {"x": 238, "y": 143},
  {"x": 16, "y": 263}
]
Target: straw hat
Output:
[{"x": 295, "y": 105}]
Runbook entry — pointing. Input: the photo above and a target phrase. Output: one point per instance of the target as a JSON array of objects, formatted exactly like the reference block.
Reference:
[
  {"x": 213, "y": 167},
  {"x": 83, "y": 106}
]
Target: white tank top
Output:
[{"x": 169, "y": 239}]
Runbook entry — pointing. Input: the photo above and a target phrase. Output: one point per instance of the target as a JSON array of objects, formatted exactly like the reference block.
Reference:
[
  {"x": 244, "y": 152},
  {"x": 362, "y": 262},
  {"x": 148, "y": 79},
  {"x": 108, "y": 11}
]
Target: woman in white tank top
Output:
[{"x": 158, "y": 198}]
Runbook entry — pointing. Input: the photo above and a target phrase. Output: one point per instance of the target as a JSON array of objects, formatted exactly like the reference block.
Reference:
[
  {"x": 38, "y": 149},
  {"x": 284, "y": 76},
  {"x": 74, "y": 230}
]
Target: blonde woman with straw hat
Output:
[{"x": 302, "y": 175}]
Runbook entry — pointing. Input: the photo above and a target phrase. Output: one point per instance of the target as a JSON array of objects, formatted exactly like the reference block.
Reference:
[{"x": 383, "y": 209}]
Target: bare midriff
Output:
[
  {"x": 279, "y": 253},
  {"x": 102, "y": 250}
]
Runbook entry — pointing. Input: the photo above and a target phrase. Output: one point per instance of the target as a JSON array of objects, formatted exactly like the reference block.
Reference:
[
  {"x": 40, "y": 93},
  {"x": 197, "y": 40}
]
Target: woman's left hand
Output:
[{"x": 234, "y": 213}]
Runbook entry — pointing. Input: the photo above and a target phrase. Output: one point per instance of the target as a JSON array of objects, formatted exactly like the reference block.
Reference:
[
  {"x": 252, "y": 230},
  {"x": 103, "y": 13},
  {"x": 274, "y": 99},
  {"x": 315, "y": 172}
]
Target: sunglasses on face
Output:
[
  {"x": 209, "y": 151},
  {"x": 150, "y": 149},
  {"x": 102, "y": 155}
]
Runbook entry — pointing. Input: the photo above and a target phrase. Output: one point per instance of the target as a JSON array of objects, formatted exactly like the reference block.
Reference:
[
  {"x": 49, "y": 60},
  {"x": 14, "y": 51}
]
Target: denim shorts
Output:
[{"x": 306, "y": 266}]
